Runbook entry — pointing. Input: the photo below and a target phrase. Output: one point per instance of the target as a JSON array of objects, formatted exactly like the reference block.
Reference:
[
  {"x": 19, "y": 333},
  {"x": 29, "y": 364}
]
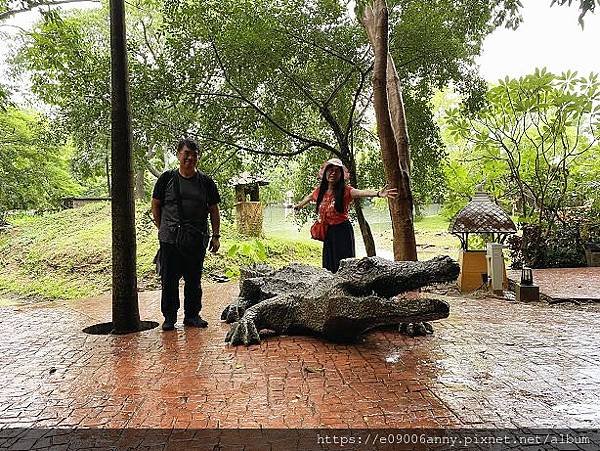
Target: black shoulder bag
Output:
[{"x": 190, "y": 240}]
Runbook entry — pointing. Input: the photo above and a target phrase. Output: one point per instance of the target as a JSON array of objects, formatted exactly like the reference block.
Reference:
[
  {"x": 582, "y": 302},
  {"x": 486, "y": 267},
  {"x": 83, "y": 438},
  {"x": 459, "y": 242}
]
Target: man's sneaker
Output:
[
  {"x": 168, "y": 325},
  {"x": 195, "y": 322}
]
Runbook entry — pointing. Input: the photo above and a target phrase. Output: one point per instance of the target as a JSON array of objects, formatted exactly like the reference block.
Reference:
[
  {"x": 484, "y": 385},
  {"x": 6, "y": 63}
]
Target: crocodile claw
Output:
[
  {"x": 231, "y": 313},
  {"x": 416, "y": 329},
  {"x": 243, "y": 332}
]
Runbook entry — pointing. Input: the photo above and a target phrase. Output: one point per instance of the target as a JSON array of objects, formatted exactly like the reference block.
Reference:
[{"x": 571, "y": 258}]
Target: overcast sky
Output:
[{"x": 549, "y": 37}]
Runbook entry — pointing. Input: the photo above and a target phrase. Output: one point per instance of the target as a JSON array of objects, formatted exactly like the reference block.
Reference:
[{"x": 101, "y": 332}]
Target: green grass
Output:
[
  {"x": 433, "y": 238},
  {"x": 431, "y": 234},
  {"x": 432, "y": 224},
  {"x": 67, "y": 255}
]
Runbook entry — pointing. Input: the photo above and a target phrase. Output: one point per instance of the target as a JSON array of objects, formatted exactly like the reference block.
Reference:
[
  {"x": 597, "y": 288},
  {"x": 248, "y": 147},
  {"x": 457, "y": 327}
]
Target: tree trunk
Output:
[
  {"x": 140, "y": 183},
  {"x": 404, "y": 200},
  {"x": 108, "y": 177},
  {"x": 154, "y": 171},
  {"x": 365, "y": 229},
  {"x": 149, "y": 166},
  {"x": 165, "y": 159},
  {"x": 396, "y": 105},
  {"x": 375, "y": 21},
  {"x": 125, "y": 309}
]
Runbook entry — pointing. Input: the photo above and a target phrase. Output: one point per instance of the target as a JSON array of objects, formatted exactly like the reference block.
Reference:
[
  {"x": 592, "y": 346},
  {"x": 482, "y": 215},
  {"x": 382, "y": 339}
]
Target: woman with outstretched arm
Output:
[{"x": 333, "y": 197}]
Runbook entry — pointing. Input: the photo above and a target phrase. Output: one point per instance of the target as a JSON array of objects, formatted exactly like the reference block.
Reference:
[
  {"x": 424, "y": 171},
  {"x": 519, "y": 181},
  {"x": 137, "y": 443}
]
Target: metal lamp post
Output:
[{"x": 526, "y": 276}]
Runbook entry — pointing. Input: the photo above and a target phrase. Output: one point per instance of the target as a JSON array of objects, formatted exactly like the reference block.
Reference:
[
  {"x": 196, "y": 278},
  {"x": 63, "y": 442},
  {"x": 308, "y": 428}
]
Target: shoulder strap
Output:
[
  {"x": 200, "y": 178},
  {"x": 178, "y": 196}
]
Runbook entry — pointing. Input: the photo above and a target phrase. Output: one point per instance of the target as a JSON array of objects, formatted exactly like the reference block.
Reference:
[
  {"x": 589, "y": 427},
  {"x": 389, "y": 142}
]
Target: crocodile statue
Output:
[{"x": 301, "y": 299}]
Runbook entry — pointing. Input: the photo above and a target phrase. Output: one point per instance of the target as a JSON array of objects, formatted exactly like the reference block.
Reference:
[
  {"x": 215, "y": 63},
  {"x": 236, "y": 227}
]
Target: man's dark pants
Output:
[{"x": 173, "y": 266}]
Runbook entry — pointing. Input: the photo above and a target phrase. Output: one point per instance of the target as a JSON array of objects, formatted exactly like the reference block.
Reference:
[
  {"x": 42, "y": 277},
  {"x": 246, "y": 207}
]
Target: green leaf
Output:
[{"x": 233, "y": 250}]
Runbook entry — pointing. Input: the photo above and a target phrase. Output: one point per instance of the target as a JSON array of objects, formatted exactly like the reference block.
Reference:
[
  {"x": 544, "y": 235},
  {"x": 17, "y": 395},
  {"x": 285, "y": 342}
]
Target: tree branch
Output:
[
  {"x": 320, "y": 47},
  {"x": 267, "y": 117},
  {"x": 147, "y": 41},
  {"x": 357, "y": 93},
  {"x": 261, "y": 152},
  {"x": 301, "y": 87},
  {"x": 155, "y": 172},
  {"x": 339, "y": 86},
  {"x": 35, "y": 4}
]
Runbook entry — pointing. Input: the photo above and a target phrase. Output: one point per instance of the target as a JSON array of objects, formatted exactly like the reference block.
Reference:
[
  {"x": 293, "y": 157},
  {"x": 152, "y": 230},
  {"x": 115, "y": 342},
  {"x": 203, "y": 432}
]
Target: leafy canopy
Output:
[
  {"x": 537, "y": 139},
  {"x": 34, "y": 162}
]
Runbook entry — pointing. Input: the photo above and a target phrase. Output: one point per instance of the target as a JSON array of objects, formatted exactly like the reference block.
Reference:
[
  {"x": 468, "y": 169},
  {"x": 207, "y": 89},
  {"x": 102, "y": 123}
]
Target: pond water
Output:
[{"x": 278, "y": 221}]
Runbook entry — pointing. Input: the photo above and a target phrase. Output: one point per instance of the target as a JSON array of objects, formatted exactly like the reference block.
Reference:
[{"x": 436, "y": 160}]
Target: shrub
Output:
[{"x": 559, "y": 246}]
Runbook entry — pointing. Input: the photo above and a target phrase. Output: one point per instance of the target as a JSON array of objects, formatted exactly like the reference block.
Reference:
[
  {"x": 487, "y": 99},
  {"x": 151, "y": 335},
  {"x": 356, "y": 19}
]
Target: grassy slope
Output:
[{"x": 66, "y": 255}]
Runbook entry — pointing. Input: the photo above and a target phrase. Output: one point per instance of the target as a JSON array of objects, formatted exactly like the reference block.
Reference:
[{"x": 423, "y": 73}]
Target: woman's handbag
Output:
[{"x": 318, "y": 230}]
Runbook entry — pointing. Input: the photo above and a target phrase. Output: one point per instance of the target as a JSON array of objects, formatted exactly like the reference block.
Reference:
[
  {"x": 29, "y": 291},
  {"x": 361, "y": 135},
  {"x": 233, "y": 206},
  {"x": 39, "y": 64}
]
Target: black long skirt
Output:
[{"x": 338, "y": 244}]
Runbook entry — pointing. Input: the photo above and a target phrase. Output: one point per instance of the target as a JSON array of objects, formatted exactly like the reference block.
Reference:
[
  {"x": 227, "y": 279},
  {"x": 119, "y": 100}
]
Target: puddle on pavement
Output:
[{"x": 394, "y": 357}]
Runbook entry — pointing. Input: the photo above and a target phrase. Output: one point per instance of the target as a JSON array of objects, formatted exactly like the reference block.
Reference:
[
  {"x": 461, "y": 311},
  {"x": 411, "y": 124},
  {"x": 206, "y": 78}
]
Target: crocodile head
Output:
[{"x": 389, "y": 278}]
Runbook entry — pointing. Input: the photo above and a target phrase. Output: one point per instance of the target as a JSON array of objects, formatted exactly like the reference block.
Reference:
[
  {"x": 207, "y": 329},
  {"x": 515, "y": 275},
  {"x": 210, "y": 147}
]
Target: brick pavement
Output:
[
  {"x": 493, "y": 363},
  {"x": 565, "y": 283}
]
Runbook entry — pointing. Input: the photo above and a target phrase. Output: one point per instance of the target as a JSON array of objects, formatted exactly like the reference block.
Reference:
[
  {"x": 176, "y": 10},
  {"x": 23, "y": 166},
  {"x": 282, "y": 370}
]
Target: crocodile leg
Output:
[
  {"x": 234, "y": 311},
  {"x": 274, "y": 313}
]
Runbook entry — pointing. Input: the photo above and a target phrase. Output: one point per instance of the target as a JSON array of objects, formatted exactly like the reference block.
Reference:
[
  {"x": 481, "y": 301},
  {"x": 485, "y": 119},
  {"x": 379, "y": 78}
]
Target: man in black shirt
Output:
[{"x": 188, "y": 192}]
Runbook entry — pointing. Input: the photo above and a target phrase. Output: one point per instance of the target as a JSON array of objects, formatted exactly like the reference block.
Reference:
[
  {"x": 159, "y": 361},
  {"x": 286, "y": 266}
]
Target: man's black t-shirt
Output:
[{"x": 197, "y": 194}]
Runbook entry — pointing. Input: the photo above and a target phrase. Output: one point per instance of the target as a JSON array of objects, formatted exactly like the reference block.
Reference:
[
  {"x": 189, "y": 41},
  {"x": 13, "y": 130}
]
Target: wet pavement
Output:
[
  {"x": 493, "y": 363},
  {"x": 556, "y": 284}
]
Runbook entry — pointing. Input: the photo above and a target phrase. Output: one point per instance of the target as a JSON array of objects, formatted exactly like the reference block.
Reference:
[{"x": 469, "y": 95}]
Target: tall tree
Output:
[
  {"x": 31, "y": 151},
  {"x": 67, "y": 58},
  {"x": 309, "y": 90},
  {"x": 392, "y": 130},
  {"x": 125, "y": 308},
  {"x": 447, "y": 18},
  {"x": 305, "y": 93}
]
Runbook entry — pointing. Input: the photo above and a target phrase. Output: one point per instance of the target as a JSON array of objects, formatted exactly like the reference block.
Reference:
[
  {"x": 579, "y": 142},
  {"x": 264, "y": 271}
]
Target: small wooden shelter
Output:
[
  {"x": 480, "y": 216},
  {"x": 249, "y": 213}
]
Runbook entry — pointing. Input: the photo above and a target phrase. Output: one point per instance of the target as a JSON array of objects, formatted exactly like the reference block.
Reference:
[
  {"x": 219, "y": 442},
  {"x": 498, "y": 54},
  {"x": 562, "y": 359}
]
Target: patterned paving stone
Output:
[
  {"x": 493, "y": 363},
  {"x": 566, "y": 283}
]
